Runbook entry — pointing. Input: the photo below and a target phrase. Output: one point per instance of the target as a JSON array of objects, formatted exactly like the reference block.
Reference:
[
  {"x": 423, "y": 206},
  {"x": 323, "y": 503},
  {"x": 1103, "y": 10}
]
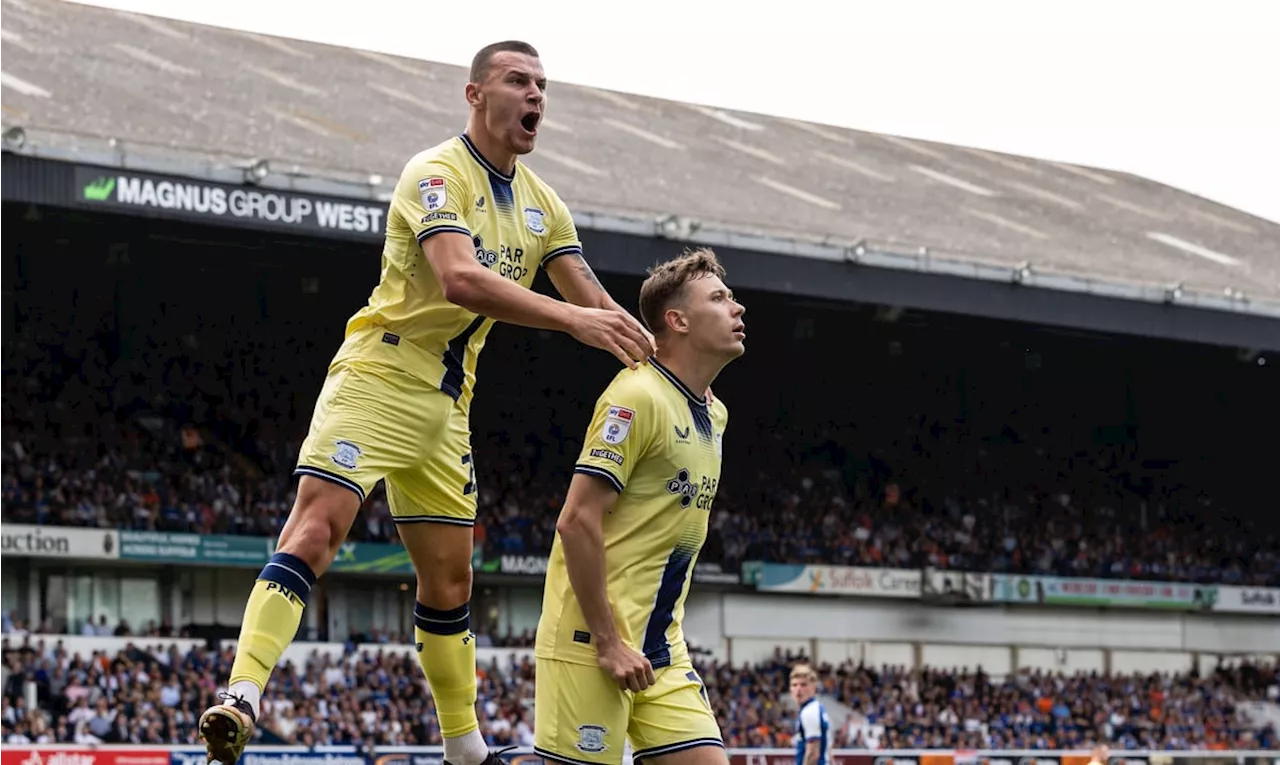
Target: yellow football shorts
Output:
[
  {"x": 582, "y": 717},
  {"x": 374, "y": 423}
]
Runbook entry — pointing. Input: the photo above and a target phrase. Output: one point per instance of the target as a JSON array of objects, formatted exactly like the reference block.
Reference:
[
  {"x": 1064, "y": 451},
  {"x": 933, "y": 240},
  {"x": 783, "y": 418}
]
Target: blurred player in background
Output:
[
  {"x": 468, "y": 228},
  {"x": 814, "y": 737},
  {"x": 1100, "y": 755},
  {"x": 612, "y": 663}
]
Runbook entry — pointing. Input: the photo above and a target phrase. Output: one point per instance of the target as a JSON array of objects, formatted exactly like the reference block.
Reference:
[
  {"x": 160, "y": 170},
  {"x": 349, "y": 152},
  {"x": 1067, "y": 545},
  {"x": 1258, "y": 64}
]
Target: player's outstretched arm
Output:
[
  {"x": 467, "y": 283},
  {"x": 577, "y": 283},
  {"x": 581, "y": 530}
]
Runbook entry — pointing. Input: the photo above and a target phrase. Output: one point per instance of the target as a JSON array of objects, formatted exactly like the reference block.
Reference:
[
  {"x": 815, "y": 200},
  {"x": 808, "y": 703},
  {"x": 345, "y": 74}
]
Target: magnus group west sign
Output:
[{"x": 195, "y": 200}]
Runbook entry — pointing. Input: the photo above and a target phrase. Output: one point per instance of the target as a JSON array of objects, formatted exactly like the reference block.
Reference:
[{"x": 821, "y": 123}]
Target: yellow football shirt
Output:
[
  {"x": 659, "y": 445},
  {"x": 516, "y": 222}
]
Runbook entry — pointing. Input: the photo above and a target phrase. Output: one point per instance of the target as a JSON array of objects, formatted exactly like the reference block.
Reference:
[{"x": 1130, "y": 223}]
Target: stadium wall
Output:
[
  {"x": 775, "y": 619},
  {"x": 934, "y": 649},
  {"x": 747, "y": 627},
  {"x": 728, "y": 626},
  {"x": 731, "y": 626}
]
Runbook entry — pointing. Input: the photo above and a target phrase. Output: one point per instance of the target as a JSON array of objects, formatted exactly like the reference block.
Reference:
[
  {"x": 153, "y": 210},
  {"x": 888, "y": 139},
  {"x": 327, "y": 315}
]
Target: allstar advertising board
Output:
[{"x": 77, "y": 755}]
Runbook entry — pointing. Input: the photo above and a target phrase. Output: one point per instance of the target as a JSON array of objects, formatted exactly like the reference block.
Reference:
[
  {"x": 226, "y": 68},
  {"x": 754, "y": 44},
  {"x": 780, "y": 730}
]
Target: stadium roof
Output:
[{"x": 76, "y": 75}]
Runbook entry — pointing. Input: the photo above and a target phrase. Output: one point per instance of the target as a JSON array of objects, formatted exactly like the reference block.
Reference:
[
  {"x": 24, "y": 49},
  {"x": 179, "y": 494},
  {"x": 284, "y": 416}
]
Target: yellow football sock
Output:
[
  {"x": 447, "y": 653},
  {"x": 271, "y": 618}
]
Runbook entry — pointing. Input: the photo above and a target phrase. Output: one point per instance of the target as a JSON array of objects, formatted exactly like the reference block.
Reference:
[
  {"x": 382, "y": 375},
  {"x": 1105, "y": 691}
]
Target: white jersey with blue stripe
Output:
[{"x": 812, "y": 724}]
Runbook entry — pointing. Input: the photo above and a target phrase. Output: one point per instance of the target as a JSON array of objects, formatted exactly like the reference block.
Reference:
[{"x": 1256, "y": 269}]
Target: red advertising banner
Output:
[{"x": 54, "y": 755}]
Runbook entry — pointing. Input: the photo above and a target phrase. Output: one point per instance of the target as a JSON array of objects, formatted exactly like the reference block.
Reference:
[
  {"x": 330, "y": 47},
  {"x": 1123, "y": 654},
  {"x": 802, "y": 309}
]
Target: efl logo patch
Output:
[
  {"x": 346, "y": 455},
  {"x": 433, "y": 194},
  {"x": 617, "y": 424},
  {"x": 591, "y": 738},
  {"x": 533, "y": 218}
]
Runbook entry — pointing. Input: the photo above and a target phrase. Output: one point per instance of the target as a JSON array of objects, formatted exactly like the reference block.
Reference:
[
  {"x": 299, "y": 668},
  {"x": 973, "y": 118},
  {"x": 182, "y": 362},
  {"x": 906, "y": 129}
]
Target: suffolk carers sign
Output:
[
  {"x": 225, "y": 204},
  {"x": 839, "y": 580}
]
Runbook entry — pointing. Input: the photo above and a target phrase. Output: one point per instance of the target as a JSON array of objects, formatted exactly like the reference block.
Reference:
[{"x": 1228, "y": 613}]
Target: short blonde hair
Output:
[
  {"x": 804, "y": 672},
  {"x": 666, "y": 281}
]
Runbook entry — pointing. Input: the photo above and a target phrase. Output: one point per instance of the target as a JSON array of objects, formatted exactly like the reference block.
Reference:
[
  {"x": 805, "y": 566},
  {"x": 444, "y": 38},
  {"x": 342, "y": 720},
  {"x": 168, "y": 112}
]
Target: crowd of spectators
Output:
[
  {"x": 895, "y": 708},
  {"x": 93, "y": 458},
  {"x": 142, "y": 697},
  {"x": 187, "y": 415}
]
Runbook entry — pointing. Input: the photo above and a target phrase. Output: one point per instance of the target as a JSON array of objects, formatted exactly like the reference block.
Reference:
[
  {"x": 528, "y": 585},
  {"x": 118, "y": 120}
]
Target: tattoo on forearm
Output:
[{"x": 584, "y": 269}]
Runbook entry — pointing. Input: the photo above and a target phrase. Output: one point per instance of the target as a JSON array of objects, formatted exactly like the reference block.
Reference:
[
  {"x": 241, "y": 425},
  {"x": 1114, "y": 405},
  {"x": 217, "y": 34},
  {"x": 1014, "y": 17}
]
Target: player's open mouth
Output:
[
  {"x": 740, "y": 330},
  {"x": 530, "y": 122}
]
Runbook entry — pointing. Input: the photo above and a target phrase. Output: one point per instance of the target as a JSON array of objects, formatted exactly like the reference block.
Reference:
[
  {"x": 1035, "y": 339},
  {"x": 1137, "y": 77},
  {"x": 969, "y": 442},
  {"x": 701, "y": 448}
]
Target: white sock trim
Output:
[
  {"x": 250, "y": 693},
  {"x": 468, "y": 749}
]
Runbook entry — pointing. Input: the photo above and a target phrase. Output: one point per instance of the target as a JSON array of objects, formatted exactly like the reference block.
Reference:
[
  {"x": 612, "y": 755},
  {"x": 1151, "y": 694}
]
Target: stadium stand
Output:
[
  {"x": 154, "y": 697},
  {"x": 187, "y": 415}
]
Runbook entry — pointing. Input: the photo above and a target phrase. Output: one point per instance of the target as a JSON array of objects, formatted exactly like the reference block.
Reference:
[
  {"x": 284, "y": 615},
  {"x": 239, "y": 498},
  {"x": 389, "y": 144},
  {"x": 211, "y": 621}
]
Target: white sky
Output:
[{"x": 1173, "y": 90}]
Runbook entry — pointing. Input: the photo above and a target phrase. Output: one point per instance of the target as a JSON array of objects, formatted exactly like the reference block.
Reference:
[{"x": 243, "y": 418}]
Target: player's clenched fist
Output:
[
  {"x": 613, "y": 331},
  {"x": 629, "y": 669}
]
